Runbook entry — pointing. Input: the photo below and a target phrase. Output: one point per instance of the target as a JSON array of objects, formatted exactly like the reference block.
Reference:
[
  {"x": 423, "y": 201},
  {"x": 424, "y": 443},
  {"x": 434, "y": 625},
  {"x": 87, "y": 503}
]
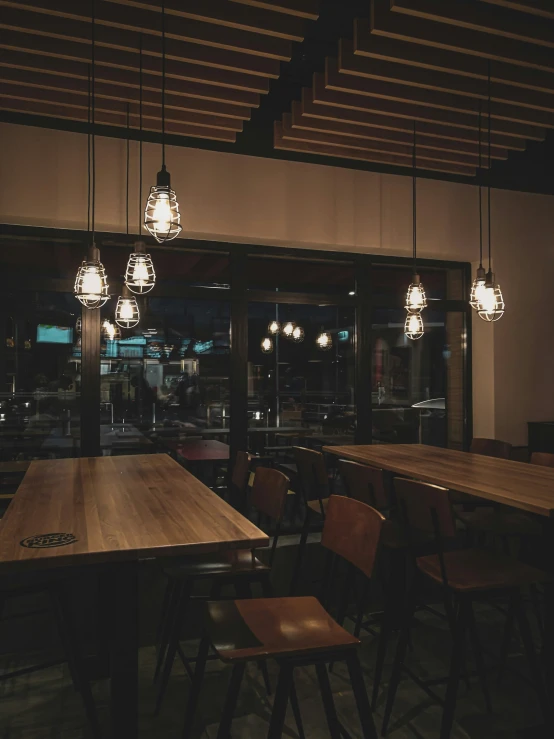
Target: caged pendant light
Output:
[
  {"x": 287, "y": 329},
  {"x": 416, "y": 299},
  {"x": 91, "y": 283},
  {"x": 267, "y": 345},
  {"x": 491, "y": 306},
  {"x": 140, "y": 276},
  {"x": 161, "y": 216},
  {"x": 478, "y": 286},
  {"x": 274, "y": 327},
  {"x": 297, "y": 334},
  {"x": 324, "y": 341}
]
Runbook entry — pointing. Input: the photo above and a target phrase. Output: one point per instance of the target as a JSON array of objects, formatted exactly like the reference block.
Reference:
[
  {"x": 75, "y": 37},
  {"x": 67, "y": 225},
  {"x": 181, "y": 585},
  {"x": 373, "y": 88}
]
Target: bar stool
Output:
[
  {"x": 295, "y": 631},
  {"x": 491, "y": 448},
  {"x": 465, "y": 576},
  {"x": 315, "y": 490},
  {"x": 240, "y": 568}
]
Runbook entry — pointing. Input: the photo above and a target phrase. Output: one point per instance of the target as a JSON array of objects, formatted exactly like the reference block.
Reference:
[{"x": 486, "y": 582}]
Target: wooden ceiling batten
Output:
[
  {"x": 308, "y": 9},
  {"x": 541, "y": 8}
]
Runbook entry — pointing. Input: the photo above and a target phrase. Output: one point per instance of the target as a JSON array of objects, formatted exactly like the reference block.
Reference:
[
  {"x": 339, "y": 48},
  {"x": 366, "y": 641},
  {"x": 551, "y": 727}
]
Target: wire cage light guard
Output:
[
  {"x": 127, "y": 311},
  {"x": 266, "y": 345},
  {"x": 140, "y": 276},
  {"x": 413, "y": 328},
  {"x": 91, "y": 284},
  {"x": 491, "y": 306},
  {"x": 324, "y": 341}
]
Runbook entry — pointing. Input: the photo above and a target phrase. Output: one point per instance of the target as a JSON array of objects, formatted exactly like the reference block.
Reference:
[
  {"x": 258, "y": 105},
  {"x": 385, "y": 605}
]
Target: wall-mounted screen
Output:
[{"x": 54, "y": 334}]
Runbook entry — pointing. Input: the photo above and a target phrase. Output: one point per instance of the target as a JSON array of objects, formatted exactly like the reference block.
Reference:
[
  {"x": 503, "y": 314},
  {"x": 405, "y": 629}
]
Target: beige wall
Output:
[{"x": 247, "y": 199}]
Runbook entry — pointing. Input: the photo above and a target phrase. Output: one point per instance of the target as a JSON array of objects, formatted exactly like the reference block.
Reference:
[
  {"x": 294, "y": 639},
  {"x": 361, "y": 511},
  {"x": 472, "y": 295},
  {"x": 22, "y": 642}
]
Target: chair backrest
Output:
[
  {"x": 269, "y": 492},
  {"x": 543, "y": 458},
  {"x": 352, "y": 530},
  {"x": 312, "y": 472},
  {"x": 364, "y": 483},
  {"x": 491, "y": 448},
  {"x": 241, "y": 471},
  {"x": 425, "y": 509}
]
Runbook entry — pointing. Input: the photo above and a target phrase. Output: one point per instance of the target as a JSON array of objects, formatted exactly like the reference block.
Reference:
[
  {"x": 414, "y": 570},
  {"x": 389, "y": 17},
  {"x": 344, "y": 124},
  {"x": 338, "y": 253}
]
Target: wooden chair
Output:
[
  {"x": 464, "y": 575},
  {"x": 315, "y": 490},
  {"x": 240, "y": 568},
  {"x": 294, "y": 631},
  {"x": 544, "y": 459},
  {"x": 491, "y": 448}
]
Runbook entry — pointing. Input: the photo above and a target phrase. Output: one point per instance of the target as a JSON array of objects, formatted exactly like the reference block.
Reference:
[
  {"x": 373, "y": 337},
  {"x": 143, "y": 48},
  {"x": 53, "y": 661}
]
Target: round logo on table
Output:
[{"x": 46, "y": 541}]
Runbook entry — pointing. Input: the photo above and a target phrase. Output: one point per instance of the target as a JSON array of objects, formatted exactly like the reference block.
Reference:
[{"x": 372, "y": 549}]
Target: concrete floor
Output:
[{"x": 43, "y": 705}]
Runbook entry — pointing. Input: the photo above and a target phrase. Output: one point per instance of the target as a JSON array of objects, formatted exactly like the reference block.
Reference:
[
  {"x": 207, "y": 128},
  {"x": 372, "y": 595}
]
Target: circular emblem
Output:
[{"x": 46, "y": 541}]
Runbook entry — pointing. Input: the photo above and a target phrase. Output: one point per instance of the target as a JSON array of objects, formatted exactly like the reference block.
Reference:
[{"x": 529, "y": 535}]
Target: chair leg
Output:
[
  {"x": 296, "y": 711},
  {"x": 300, "y": 553},
  {"x": 534, "y": 663},
  {"x": 456, "y": 663},
  {"x": 224, "y": 731},
  {"x": 364, "y": 597},
  {"x": 384, "y": 637},
  {"x": 72, "y": 649},
  {"x": 173, "y": 642},
  {"x": 267, "y": 587},
  {"x": 196, "y": 686},
  {"x": 328, "y": 702},
  {"x": 360, "y": 694},
  {"x": 281, "y": 701},
  {"x": 478, "y": 654},
  {"x": 171, "y": 600},
  {"x": 534, "y": 596},
  {"x": 399, "y": 657},
  {"x": 506, "y": 640}
]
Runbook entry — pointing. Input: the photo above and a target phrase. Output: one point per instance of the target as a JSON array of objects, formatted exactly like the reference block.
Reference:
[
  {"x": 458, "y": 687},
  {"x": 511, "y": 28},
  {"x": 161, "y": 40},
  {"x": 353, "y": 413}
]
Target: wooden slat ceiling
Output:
[
  {"x": 428, "y": 61},
  {"x": 221, "y": 56}
]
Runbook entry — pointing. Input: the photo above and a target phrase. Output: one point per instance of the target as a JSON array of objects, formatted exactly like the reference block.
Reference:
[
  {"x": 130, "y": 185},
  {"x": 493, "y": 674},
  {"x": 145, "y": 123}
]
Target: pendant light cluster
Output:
[
  {"x": 486, "y": 296},
  {"x": 160, "y": 217},
  {"x": 416, "y": 299},
  {"x": 288, "y": 330}
]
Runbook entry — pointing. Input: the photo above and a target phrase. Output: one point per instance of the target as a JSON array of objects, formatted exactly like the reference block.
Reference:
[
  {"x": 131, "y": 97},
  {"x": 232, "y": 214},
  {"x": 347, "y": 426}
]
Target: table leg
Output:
[{"x": 124, "y": 651}]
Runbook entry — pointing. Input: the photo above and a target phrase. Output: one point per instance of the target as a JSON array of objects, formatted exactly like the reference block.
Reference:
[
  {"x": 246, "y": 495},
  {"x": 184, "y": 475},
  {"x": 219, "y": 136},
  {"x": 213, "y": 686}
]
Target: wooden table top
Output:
[
  {"x": 201, "y": 451},
  {"x": 118, "y": 508},
  {"x": 524, "y": 486}
]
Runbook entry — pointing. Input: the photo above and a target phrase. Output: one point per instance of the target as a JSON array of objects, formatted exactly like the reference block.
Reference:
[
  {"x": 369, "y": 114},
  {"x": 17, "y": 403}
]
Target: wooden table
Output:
[
  {"x": 527, "y": 487},
  {"x": 201, "y": 451},
  {"x": 119, "y": 510},
  {"x": 524, "y": 486}
]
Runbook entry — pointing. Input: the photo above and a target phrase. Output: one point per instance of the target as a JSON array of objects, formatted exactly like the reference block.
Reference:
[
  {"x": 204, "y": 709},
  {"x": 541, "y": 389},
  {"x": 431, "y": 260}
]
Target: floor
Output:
[{"x": 43, "y": 705}]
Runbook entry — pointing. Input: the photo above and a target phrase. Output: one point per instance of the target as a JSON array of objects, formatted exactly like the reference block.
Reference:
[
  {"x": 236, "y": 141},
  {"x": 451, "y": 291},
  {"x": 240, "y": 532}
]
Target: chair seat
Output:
[
  {"x": 315, "y": 506},
  {"x": 231, "y": 563},
  {"x": 500, "y": 523},
  {"x": 479, "y": 569},
  {"x": 273, "y": 627}
]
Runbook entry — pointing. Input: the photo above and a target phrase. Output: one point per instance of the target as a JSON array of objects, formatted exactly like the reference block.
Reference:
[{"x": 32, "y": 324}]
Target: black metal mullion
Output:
[
  {"x": 90, "y": 383},
  {"x": 363, "y": 351},
  {"x": 239, "y": 355}
]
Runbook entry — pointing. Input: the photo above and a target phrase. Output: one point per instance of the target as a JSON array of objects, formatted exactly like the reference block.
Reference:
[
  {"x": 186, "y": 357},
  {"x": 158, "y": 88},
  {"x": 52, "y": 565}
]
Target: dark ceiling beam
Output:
[
  {"x": 308, "y": 9},
  {"x": 413, "y": 111},
  {"x": 338, "y": 152},
  {"x": 423, "y": 156},
  {"x": 222, "y": 13},
  {"x": 114, "y": 23},
  {"x": 335, "y": 80},
  {"x": 398, "y": 73},
  {"x": 466, "y": 41},
  {"x": 445, "y": 60},
  {"x": 112, "y": 119},
  {"x": 105, "y": 90},
  {"x": 479, "y": 17},
  {"x": 80, "y": 102},
  {"x": 541, "y": 8},
  {"x": 402, "y": 136}
]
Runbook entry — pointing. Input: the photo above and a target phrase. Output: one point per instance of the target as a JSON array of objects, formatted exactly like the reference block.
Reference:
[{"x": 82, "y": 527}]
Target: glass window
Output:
[
  {"x": 418, "y": 386},
  {"x": 300, "y": 391},
  {"x": 390, "y": 284},
  {"x": 301, "y": 275},
  {"x": 40, "y": 376}
]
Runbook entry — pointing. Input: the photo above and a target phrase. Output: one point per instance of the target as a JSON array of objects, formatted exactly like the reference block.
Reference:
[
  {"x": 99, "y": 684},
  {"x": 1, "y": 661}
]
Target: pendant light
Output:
[
  {"x": 140, "y": 276},
  {"x": 287, "y": 329},
  {"x": 297, "y": 334},
  {"x": 161, "y": 216},
  {"x": 416, "y": 300},
  {"x": 491, "y": 307},
  {"x": 110, "y": 331},
  {"x": 324, "y": 341},
  {"x": 267, "y": 345},
  {"x": 478, "y": 286},
  {"x": 91, "y": 284},
  {"x": 274, "y": 327}
]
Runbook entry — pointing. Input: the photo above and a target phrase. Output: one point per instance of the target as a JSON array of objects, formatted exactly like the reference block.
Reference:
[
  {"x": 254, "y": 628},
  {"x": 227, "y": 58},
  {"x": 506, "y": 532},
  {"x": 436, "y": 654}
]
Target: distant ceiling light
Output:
[
  {"x": 267, "y": 345},
  {"x": 413, "y": 328},
  {"x": 324, "y": 341},
  {"x": 110, "y": 331},
  {"x": 127, "y": 312},
  {"x": 274, "y": 327},
  {"x": 352, "y": 292},
  {"x": 298, "y": 334},
  {"x": 140, "y": 277},
  {"x": 288, "y": 328}
]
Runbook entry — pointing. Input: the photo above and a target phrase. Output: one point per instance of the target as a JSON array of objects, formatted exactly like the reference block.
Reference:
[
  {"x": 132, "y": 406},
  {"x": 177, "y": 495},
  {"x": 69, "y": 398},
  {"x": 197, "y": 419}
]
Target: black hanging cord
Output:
[
  {"x": 414, "y": 199},
  {"x": 489, "y": 172},
  {"x": 480, "y": 188},
  {"x": 140, "y": 137},
  {"x": 127, "y": 178},
  {"x": 88, "y": 152},
  {"x": 93, "y": 150},
  {"x": 163, "y": 84}
]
